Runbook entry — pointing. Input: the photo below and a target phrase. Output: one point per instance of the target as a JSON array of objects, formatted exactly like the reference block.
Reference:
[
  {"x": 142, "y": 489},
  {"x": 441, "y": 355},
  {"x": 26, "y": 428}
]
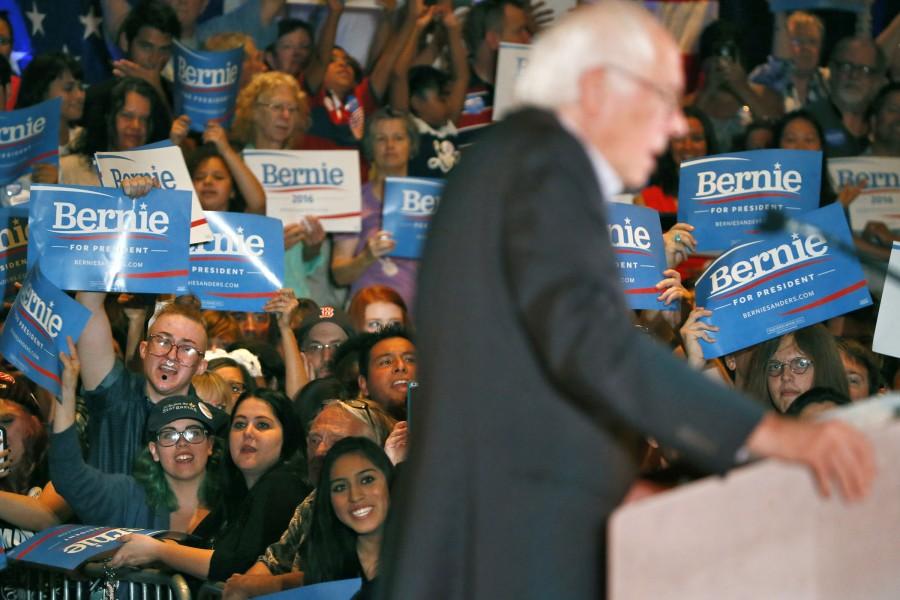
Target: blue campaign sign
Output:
[
  {"x": 791, "y": 5},
  {"x": 409, "y": 203},
  {"x": 206, "y": 84},
  {"x": 636, "y": 238},
  {"x": 726, "y": 196},
  {"x": 99, "y": 239},
  {"x": 780, "y": 283},
  {"x": 13, "y": 248},
  {"x": 27, "y": 137},
  {"x": 40, "y": 319},
  {"x": 67, "y": 547},
  {"x": 242, "y": 267}
]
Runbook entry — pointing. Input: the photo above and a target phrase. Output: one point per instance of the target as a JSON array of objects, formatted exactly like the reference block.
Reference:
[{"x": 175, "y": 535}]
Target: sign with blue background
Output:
[
  {"x": 726, "y": 196},
  {"x": 409, "y": 203},
  {"x": 164, "y": 163},
  {"x": 27, "y": 137},
  {"x": 13, "y": 249},
  {"x": 780, "y": 283},
  {"x": 206, "y": 84},
  {"x": 99, "y": 239},
  {"x": 35, "y": 332},
  {"x": 67, "y": 547},
  {"x": 636, "y": 238},
  {"x": 242, "y": 267}
]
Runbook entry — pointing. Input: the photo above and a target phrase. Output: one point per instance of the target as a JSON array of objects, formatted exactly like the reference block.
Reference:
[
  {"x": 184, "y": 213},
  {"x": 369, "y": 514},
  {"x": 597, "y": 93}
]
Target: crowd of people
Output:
[{"x": 271, "y": 440}]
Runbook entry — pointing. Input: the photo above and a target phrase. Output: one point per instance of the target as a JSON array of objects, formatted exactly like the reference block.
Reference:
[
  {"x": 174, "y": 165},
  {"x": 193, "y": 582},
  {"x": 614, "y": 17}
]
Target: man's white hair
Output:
[{"x": 612, "y": 32}]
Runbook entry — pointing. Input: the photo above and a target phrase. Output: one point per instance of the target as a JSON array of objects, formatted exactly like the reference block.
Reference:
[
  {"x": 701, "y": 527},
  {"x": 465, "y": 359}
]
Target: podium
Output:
[{"x": 763, "y": 531}]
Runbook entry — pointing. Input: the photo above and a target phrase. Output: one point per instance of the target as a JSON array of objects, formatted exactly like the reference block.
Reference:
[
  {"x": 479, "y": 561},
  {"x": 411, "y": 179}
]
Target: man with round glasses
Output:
[{"x": 119, "y": 400}]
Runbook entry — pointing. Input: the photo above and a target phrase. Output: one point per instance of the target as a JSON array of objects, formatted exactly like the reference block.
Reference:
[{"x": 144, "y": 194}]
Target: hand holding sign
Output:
[
  {"x": 380, "y": 243},
  {"x": 137, "y": 550},
  {"x": 692, "y": 332},
  {"x": 680, "y": 243}
]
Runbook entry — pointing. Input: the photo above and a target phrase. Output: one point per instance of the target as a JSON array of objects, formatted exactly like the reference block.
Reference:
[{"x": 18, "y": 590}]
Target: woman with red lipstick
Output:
[
  {"x": 348, "y": 514},
  {"x": 785, "y": 367},
  {"x": 261, "y": 491}
]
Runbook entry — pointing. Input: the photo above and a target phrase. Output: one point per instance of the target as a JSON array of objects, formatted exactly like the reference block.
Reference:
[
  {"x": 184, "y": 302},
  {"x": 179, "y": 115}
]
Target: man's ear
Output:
[
  {"x": 363, "y": 388},
  {"x": 142, "y": 349},
  {"x": 593, "y": 87},
  {"x": 201, "y": 367}
]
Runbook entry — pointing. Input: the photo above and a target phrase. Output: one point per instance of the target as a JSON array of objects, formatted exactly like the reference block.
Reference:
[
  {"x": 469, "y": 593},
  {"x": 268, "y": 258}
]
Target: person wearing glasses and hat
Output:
[
  {"x": 174, "y": 482},
  {"x": 320, "y": 335}
]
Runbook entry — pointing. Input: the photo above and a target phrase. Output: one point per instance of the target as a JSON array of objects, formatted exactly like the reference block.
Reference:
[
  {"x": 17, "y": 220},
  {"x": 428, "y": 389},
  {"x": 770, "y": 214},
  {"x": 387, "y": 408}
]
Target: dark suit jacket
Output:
[{"x": 533, "y": 383}]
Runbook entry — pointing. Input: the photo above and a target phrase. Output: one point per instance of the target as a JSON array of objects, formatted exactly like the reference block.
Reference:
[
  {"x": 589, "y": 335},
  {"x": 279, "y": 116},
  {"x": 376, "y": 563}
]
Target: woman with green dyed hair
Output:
[{"x": 175, "y": 477}]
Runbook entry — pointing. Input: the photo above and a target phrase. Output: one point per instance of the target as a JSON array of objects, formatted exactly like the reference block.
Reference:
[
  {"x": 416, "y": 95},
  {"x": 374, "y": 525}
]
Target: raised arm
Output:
[
  {"x": 400, "y": 79},
  {"x": 459, "y": 64},
  {"x": 114, "y": 13},
  {"x": 380, "y": 77},
  {"x": 283, "y": 305},
  {"x": 315, "y": 72},
  {"x": 269, "y": 9},
  {"x": 250, "y": 187},
  {"x": 96, "y": 341}
]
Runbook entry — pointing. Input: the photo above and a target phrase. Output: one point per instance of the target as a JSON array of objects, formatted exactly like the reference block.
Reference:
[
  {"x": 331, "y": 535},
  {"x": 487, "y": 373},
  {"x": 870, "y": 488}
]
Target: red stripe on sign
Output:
[
  {"x": 40, "y": 157},
  {"x": 631, "y": 251},
  {"x": 749, "y": 197},
  {"x": 31, "y": 320},
  {"x": 155, "y": 275},
  {"x": 306, "y": 188},
  {"x": 12, "y": 251},
  {"x": 244, "y": 295},
  {"x": 198, "y": 222},
  {"x": 829, "y": 298},
  {"x": 769, "y": 277},
  {"x": 652, "y": 290},
  {"x": 219, "y": 257},
  {"x": 35, "y": 542},
  {"x": 41, "y": 369},
  {"x": 340, "y": 215}
]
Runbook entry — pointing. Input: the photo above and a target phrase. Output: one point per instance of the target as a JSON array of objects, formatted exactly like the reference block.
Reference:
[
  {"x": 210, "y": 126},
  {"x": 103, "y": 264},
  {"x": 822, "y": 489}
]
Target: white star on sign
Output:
[
  {"x": 627, "y": 221},
  {"x": 51, "y": 304},
  {"x": 795, "y": 236},
  {"x": 91, "y": 23},
  {"x": 143, "y": 206},
  {"x": 37, "y": 19},
  {"x": 777, "y": 166},
  {"x": 240, "y": 230}
]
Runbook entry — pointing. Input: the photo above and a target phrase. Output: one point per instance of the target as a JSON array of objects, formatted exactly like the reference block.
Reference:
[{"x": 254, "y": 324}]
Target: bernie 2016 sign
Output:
[
  {"x": 636, "y": 238},
  {"x": 164, "y": 164},
  {"x": 301, "y": 183},
  {"x": 13, "y": 248},
  {"x": 39, "y": 321},
  {"x": 206, "y": 84},
  {"x": 242, "y": 267},
  {"x": 409, "y": 203},
  {"x": 726, "y": 196},
  {"x": 879, "y": 200},
  {"x": 27, "y": 137},
  {"x": 98, "y": 239},
  {"x": 780, "y": 283}
]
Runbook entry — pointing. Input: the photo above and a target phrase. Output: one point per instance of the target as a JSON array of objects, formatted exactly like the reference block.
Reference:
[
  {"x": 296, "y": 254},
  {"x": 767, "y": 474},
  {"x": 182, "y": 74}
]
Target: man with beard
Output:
[{"x": 857, "y": 73}]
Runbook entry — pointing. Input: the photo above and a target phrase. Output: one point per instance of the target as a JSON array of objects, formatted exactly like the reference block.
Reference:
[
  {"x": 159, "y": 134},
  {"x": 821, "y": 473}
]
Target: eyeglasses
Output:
[
  {"x": 670, "y": 99},
  {"x": 237, "y": 388},
  {"x": 169, "y": 437},
  {"x": 799, "y": 366},
  {"x": 849, "y": 68},
  {"x": 318, "y": 348},
  {"x": 364, "y": 406},
  {"x": 292, "y": 109},
  {"x": 159, "y": 345}
]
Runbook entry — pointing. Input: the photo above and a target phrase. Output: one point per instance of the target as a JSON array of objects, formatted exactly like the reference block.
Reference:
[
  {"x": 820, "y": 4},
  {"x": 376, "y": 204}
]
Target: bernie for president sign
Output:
[
  {"x": 206, "y": 84},
  {"x": 727, "y": 195},
  {"x": 242, "y": 267},
  {"x": 636, "y": 238},
  {"x": 779, "y": 283},
  {"x": 13, "y": 247},
  {"x": 99, "y": 239},
  {"x": 27, "y": 137},
  {"x": 39, "y": 321},
  {"x": 409, "y": 203}
]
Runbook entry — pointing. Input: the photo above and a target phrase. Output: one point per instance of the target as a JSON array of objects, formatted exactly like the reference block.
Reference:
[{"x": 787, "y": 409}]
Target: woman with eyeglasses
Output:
[
  {"x": 261, "y": 492},
  {"x": 348, "y": 515},
  {"x": 175, "y": 482},
  {"x": 270, "y": 114},
  {"x": 360, "y": 260},
  {"x": 28, "y": 501},
  {"x": 783, "y": 368}
]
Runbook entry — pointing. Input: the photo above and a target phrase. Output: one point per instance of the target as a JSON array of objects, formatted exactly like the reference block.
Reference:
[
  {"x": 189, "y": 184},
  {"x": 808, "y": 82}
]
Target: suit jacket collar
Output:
[{"x": 609, "y": 180}]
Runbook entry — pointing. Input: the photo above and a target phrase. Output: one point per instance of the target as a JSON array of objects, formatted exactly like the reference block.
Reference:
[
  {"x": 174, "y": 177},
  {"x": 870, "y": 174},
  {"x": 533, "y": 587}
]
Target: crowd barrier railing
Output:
[{"x": 27, "y": 582}]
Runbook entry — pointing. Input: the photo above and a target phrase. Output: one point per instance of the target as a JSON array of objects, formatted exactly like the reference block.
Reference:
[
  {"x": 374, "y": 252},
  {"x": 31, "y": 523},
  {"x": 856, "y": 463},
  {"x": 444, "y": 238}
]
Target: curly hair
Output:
[{"x": 243, "y": 125}]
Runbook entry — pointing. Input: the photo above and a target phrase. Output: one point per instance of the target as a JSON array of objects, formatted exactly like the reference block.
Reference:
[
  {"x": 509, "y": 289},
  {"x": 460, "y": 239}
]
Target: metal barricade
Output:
[
  {"x": 211, "y": 590},
  {"x": 24, "y": 582}
]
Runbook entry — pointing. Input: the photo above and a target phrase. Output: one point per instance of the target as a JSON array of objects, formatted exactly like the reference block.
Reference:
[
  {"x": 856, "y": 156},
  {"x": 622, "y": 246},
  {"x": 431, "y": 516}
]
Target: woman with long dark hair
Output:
[
  {"x": 351, "y": 507},
  {"x": 261, "y": 491}
]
